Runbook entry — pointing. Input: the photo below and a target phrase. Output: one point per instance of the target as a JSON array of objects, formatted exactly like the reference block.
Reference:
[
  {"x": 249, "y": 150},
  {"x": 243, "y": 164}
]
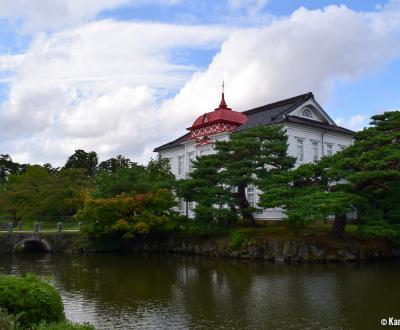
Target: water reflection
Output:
[{"x": 170, "y": 291}]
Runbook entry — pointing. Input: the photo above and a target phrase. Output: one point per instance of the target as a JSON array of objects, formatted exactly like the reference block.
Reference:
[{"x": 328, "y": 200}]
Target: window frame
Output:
[
  {"x": 300, "y": 147},
  {"x": 315, "y": 151},
  {"x": 307, "y": 113},
  {"x": 251, "y": 191},
  {"x": 181, "y": 165},
  {"x": 191, "y": 157},
  {"x": 329, "y": 149}
]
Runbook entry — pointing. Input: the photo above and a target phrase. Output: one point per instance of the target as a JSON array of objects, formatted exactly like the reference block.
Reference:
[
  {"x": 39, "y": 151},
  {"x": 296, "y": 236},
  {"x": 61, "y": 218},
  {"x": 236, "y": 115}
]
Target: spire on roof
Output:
[{"x": 222, "y": 104}]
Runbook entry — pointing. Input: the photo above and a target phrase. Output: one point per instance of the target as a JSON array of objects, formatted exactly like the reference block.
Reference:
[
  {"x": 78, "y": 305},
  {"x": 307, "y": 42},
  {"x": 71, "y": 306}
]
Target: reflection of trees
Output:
[
  {"x": 370, "y": 293},
  {"x": 118, "y": 279},
  {"x": 214, "y": 293}
]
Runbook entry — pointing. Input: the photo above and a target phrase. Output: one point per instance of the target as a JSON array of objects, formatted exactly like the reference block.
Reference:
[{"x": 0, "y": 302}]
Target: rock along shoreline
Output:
[
  {"x": 277, "y": 250},
  {"x": 304, "y": 250}
]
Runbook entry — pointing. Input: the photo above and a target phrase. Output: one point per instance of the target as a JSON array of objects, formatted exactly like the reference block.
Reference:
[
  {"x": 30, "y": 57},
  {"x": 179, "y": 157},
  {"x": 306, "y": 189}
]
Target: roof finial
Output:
[{"x": 223, "y": 103}]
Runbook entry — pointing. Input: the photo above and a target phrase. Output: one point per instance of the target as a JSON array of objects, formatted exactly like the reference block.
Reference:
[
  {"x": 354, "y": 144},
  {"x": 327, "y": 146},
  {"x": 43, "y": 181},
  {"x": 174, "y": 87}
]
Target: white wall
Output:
[
  {"x": 294, "y": 132},
  {"x": 310, "y": 135}
]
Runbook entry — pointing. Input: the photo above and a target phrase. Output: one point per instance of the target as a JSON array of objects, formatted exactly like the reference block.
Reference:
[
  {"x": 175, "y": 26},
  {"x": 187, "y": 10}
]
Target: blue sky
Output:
[
  {"x": 73, "y": 76},
  {"x": 212, "y": 11}
]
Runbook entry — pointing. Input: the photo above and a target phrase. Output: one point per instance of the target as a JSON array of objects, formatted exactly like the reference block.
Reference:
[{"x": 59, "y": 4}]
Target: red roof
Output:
[{"x": 220, "y": 114}]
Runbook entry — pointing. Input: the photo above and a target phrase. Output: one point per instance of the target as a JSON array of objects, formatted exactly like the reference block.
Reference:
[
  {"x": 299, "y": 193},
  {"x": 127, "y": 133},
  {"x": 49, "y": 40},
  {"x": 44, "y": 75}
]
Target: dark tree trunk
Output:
[
  {"x": 339, "y": 225},
  {"x": 244, "y": 205}
]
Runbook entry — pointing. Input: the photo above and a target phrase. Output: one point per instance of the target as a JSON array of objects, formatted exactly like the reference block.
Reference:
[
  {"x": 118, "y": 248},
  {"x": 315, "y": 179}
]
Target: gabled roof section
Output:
[
  {"x": 173, "y": 144},
  {"x": 316, "y": 124},
  {"x": 273, "y": 112}
]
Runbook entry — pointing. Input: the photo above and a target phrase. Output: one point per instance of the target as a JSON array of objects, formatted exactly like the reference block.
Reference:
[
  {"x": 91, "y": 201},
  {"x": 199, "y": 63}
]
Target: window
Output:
[
  {"x": 329, "y": 149},
  {"x": 204, "y": 152},
  {"x": 341, "y": 147},
  {"x": 190, "y": 161},
  {"x": 251, "y": 196},
  {"x": 307, "y": 113},
  {"x": 181, "y": 205},
  {"x": 300, "y": 150},
  {"x": 315, "y": 151},
  {"x": 180, "y": 164}
]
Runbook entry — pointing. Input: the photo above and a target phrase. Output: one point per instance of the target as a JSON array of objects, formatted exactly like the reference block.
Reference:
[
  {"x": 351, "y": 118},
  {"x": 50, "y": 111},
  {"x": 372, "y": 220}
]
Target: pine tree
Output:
[
  {"x": 371, "y": 167},
  {"x": 220, "y": 181},
  {"x": 365, "y": 176},
  {"x": 310, "y": 193},
  {"x": 214, "y": 202}
]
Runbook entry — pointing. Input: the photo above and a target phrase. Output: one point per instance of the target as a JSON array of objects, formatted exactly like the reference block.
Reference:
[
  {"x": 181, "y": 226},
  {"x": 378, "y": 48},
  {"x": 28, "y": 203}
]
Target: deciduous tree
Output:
[
  {"x": 128, "y": 215},
  {"x": 36, "y": 194},
  {"x": 111, "y": 165},
  {"x": 8, "y": 167},
  {"x": 83, "y": 159}
]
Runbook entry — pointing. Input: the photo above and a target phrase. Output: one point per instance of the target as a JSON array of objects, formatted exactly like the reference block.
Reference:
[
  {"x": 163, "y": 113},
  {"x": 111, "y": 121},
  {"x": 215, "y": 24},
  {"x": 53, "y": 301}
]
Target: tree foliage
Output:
[
  {"x": 124, "y": 179},
  {"x": 37, "y": 194},
  {"x": 83, "y": 160},
  {"x": 218, "y": 182},
  {"x": 8, "y": 167},
  {"x": 365, "y": 176},
  {"x": 159, "y": 172},
  {"x": 215, "y": 202},
  {"x": 371, "y": 167},
  {"x": 134, "y": 179},
  {"x": 130, "y": 200},
  {"x": 310, "y": 194},
  {"x": 113, "y": 164},
  {"x": 128, "y": 215}
]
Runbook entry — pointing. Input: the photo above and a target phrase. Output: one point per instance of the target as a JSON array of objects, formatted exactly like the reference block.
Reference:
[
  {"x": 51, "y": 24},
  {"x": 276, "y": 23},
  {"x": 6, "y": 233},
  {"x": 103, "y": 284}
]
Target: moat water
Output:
[{"x": 139, "y": 291}]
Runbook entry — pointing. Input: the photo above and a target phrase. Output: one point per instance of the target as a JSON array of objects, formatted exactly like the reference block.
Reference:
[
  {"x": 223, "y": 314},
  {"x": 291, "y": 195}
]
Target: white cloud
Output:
[
  {"x": 55, "y": 14},
  {"x": 252, "y": 7},
  {"x": 100, "y": 86},
  {"x": 355, "y": 123},
  {"x": 293, "y": 55},
  {"x": 95, "y": 87}
]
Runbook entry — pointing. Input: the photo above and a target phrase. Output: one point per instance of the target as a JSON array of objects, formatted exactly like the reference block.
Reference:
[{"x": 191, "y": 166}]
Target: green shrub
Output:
[
  {"x": 129, "y": 215},
  {"x": 239, "y": 238},
  {"x": 64, "y": 325},
  {"x": 32, "y": 299},
  {"x": 7, "y": 321},
  {"x": 194, "y": 227},
  {"x": 390, "y": 232}
]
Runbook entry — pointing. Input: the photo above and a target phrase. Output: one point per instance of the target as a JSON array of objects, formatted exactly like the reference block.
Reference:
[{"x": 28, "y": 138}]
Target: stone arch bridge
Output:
[{"x": 37, "y": 242}]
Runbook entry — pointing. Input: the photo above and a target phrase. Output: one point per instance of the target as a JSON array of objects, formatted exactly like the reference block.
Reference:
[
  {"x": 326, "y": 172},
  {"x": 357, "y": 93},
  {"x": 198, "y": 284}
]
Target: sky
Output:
[{"x": 124, "y": 76}]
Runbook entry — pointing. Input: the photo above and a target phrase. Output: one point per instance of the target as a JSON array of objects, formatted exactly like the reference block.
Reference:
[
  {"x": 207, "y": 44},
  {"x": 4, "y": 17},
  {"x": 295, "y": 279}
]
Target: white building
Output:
[{"x": 312, "y": 134}]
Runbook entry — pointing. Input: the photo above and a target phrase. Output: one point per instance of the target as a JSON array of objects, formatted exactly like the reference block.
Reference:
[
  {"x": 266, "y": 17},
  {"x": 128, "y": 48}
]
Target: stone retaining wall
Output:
[{"x": 276, "y": 250}]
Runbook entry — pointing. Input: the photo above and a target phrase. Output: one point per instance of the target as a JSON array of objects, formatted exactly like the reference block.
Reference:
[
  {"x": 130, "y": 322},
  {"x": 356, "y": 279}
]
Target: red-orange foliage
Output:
[{"x": 128, "y": 215}]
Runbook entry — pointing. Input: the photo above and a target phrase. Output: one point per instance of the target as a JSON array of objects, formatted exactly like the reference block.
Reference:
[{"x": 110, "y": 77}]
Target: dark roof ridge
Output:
[
  {"x": 301, "y": 97},
  {"x": 316, "y": 122},
  {"x": 170, "y": 143}
]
